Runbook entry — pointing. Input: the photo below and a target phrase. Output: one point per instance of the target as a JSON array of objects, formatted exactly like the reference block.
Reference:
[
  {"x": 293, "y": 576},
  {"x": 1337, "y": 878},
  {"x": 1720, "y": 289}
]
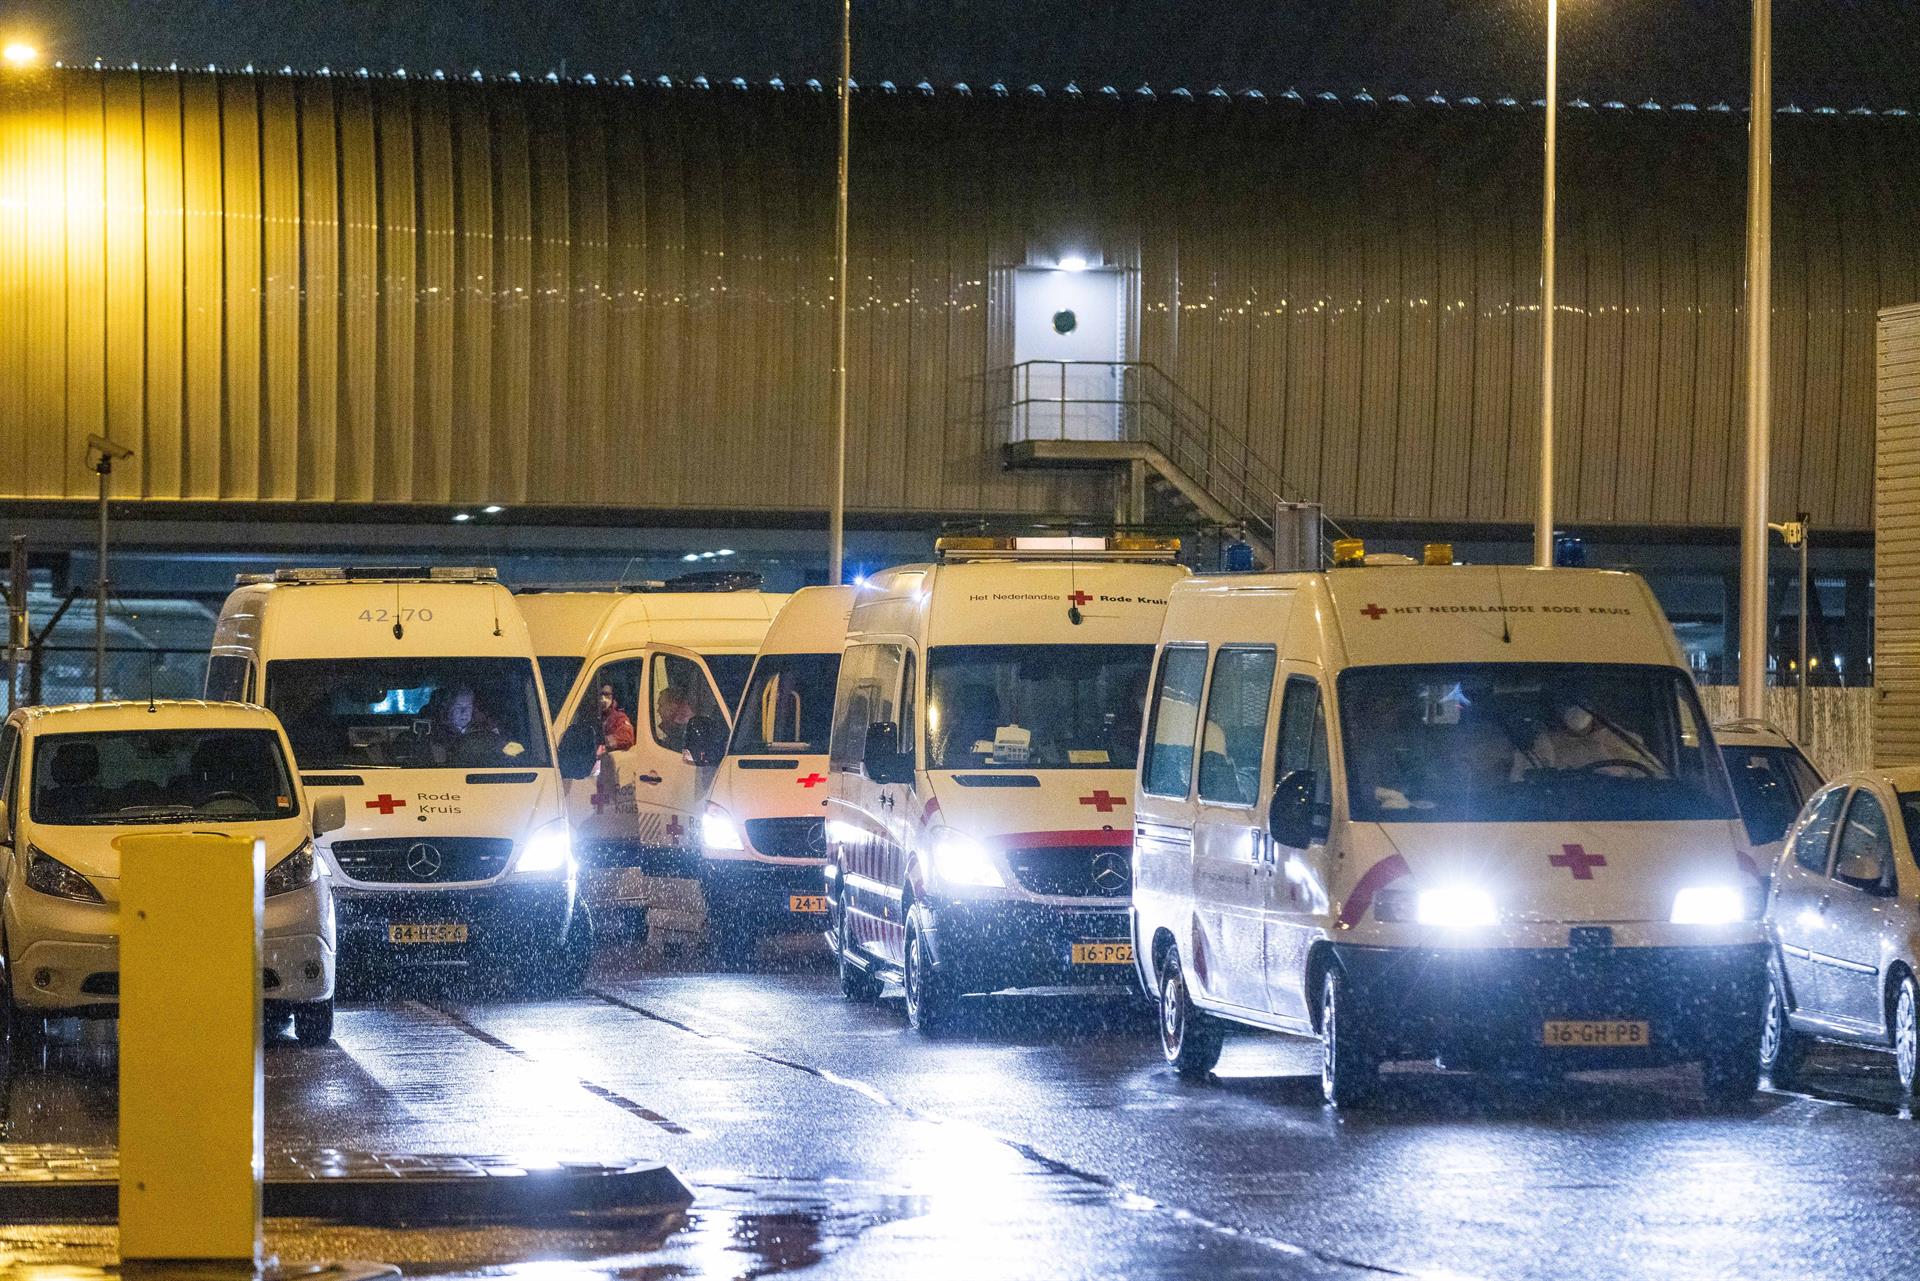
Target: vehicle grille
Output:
[
  {"x": 427, "y": 861},
  {"x": 788, "y": 837},
  {"x": 1074, "y": 871}
]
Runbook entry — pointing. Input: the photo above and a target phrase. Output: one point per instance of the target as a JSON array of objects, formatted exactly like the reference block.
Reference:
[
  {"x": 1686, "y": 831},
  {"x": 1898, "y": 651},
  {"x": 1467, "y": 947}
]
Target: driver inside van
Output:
[
  {"x": 1576, "y": 738},
  {"x": 463, "y": 734}
]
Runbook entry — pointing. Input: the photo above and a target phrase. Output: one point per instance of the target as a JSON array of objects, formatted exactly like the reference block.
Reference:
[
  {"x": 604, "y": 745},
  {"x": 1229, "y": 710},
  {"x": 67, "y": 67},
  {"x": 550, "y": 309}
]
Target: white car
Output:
[
  {"x": 1772, "y": 779},
  {"x": 78, "y": 777}
]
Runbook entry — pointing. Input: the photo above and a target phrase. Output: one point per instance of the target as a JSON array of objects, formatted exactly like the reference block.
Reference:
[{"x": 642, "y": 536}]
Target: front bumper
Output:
[
  {"x": 1000, "y": 944},
  {"x": 505, "y": 922},
  {"x": 761, "y": 897},
  {"x": 1486, "y": 1008},
  {"x": 82, "y": 976}
]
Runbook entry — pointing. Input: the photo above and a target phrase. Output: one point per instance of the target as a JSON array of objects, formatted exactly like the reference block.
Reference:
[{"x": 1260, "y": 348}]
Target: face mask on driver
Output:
[{"x": 1578, "y": 720}]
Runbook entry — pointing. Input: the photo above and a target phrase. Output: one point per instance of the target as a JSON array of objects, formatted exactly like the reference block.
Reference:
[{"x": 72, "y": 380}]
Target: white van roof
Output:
[
  {"x": 988, "y": 602},
  {"x": 813, "y": 621},
  {"x": 583, "y": 623},
  {"x": 355, "y": 618}
]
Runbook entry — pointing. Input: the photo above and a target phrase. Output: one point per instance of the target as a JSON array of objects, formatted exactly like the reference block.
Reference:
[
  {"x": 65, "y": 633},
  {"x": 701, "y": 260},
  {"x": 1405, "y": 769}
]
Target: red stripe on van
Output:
[
  {"x": 1378, "y": 877},
  {"x": 1108, "y": 836}
]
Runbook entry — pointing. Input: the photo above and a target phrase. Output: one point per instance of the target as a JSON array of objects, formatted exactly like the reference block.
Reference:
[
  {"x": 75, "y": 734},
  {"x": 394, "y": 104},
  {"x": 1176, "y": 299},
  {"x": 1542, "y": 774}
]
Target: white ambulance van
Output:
[
  {"x": 414, "y": 694},
  {"x": 1465, "y": 812},
  {"x": 636, "y": 668},
  {"x": 979, "y": 824},
  {"x": 764, "y": 829}
]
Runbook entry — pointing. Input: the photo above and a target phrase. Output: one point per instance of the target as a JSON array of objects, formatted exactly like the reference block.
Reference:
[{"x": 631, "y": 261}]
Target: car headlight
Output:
[
  {"x": 296, "y": 870},
  {"x": 1456, "y": 907},
  {"x": 958, "y": 859},
  {"x": 49, "y": 875},
  {"x": 719, "y": 831},
  {"x": 1712, "y": 905},
  {"x": 550, "y": 849}
]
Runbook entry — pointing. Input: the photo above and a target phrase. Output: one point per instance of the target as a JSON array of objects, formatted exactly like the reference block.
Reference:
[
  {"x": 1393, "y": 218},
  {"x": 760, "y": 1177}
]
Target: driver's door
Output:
[
  {"x": 668, "y": 789},
  {"x": 1863, "y": 928},
  {"x": 1297, "y": 898},
  {"x": 600, "y": 807}
]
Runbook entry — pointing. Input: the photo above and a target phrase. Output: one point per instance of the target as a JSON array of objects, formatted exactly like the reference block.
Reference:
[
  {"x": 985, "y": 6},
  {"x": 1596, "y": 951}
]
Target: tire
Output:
[
  {"x": 1348, "y": 1071},
  {"x": 568, "y": 972},
  {"x": 1783, "y": 1051},
  {"x": 1730, "y": 1073},
  {"x": 1190, "y": 1039},
  {"x": 856, "y": 984},
  {"x": 313, "y": 1022},
  {"x": 930, "y": 1000},
  {"x": 1906, "y": 1036}
]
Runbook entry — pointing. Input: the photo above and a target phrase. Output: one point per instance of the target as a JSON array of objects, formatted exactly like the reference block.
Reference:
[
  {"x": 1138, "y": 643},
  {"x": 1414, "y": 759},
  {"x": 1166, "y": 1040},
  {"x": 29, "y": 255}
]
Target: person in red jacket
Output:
[{"x": 616, "y": 727}]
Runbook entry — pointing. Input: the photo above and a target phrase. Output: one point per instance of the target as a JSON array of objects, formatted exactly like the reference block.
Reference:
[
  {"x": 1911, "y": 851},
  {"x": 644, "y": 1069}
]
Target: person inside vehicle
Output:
[
  {"x": 673, "y": 711},
  {"x": 463, "y": 734},
  {"x": 1575, "y": 737},
  {"x": 616, "y": 727},
  {"x": 75, "y": 770}
]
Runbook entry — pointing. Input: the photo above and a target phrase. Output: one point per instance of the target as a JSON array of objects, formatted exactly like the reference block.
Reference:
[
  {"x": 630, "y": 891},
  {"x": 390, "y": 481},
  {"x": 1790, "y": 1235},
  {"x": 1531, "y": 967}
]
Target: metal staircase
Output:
[{"x": 1171, "y": 457}]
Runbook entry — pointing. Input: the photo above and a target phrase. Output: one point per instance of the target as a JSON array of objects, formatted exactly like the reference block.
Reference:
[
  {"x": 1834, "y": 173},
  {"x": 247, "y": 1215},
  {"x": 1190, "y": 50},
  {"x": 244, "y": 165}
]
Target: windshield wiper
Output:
[{"x": 152, "y": 811}]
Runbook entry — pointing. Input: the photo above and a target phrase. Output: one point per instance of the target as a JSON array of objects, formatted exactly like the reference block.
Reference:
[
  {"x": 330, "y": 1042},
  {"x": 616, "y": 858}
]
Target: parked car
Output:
[
  {"x": 79, "y": 777},
  {"x": 1772, "y": 778},
  {"x": 1844, "y": 917}
]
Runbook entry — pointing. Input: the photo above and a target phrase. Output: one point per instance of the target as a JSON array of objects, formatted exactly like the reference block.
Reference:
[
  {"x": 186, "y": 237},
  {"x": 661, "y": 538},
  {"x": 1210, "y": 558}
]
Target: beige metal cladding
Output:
[
  {"x": 377, "y": 289},
  {"x": 1896, "y": 541}
]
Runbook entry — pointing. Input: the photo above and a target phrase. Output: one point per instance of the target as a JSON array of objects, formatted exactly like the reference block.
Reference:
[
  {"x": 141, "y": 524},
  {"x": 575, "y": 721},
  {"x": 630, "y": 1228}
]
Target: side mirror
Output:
[
  {"x": 883, "y": 760},
  {"x": 576, "y": 750},
  {"x": 1290, "y": 813},
  {"x": 329, "y": 813},
  {"x": 706, "y": 741}
]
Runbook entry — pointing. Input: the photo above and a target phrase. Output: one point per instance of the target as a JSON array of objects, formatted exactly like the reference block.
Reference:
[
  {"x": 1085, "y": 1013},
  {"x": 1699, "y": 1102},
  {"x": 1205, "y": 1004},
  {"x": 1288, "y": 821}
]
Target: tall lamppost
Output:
[
  {"x": 837, "y": 517},
  {"x": 1543, "y": 512},
  {"x": 105, "y": 453},
  {"x": 1753, "y": 519}
]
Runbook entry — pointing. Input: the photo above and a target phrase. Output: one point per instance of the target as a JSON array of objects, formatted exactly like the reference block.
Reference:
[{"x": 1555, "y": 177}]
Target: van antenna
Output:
[
  {"x": 1074, "y": 615},
  {"x": 150, "y": 707},
  {"x": 1500, "y": 585},
  {"x": 495, "y": 598},
  {"x": 398, "y": 629}
]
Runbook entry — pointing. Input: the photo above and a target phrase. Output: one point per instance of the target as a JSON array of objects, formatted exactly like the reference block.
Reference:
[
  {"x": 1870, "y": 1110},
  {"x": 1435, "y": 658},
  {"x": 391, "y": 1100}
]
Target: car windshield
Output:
[
  {"x": 159, "y": 776},
  {"x": 730, "y": 674},
  {"x": 788, "y": 707},
  {"x": 1527, "y": 742},
  {"x": 1035, "y": 706},
  {"x": 410, "y": 713},
  {"x": 1771, "y": 784},
  {"x": 558, "y": 673}
]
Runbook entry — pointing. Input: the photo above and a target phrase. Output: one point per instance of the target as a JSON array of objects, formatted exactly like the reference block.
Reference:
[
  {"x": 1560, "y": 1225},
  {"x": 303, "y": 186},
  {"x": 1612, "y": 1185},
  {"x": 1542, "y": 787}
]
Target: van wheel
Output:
[
  {"x": 1730, "y": 1073},
  {"x": 929, "y": 1001},
  {"x": 313, "y": 1022},
  {"x": 1190, "y": 1040},
  {"x": 1906, "y": 1037},
  {"x": 1783, "y": 1051},
  {"x": 1348, "y": 1071},
  {"x": 859, "y": 986}
]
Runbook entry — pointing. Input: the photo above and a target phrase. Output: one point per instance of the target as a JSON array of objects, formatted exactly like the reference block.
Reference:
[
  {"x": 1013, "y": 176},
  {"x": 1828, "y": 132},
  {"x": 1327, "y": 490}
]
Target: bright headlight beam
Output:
[
  {"x": 719, "y": 831},
  {"x": 548, "y": 850},
  {"x": 1456, "y": 907},
  {"x": 958, "y": 859},
  {"x": 1709, "y": 905}
]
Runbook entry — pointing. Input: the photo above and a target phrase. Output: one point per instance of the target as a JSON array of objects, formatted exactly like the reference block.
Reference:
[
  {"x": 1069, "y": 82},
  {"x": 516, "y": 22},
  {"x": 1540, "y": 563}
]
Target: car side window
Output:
[
  {"x": 1303, "y": 746},
  {"x": 681, "y": 692},
  {"x": 909, "y": 704},
  {"x": 1864, "y": 857},
  {"x": 623, "y": 677},
  {"x": 230, "y": 678},
  {"x": 1234, "y": 737},
  {"x": 1816, "y": 834},
  {"x": 1176, "y": 720},
  {"x": 852, "y": 709}
]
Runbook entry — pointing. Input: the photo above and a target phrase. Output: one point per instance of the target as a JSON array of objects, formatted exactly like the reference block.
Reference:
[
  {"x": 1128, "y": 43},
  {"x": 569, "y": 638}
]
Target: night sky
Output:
[{"x": 1840, "y": 53}]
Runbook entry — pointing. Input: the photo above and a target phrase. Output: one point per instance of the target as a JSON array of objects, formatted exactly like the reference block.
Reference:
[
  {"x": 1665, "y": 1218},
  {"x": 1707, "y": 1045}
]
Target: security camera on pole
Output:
[{"x": 104, "y": 454}]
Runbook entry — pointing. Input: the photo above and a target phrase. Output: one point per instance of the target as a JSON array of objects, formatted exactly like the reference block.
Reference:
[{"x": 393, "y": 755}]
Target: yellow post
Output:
[{"x": 191, "y": 1097}]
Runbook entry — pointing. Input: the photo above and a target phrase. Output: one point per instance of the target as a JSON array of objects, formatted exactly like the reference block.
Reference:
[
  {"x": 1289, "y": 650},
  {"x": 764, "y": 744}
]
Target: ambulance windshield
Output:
[
  {"x": 788, "y": 707},
  {"x": 1035, "y": 706},
  {"x": 1527, "y": 742},
  {"x": 410, "y": 713}
]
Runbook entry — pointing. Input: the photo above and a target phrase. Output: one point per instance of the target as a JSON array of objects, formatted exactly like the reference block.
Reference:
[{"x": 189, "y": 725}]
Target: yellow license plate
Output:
[
  {"x": 1103, "y": 954},
  {"x": 1594, "y": 1033},
  {"x": 806, "y": 902},
  {"x": 426, "y": 934}
]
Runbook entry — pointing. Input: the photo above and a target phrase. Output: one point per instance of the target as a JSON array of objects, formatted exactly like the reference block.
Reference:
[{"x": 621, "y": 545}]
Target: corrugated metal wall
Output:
[
  {"x": 381, "y": 290},
  {"x": 1896, "y": 541}
]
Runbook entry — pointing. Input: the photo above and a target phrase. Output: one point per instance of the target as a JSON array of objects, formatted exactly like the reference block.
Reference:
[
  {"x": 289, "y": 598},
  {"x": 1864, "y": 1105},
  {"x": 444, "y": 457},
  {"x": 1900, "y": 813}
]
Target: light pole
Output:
[
  {"x": 1543, "y": 514},
  {"x": 837, "y": 517},
  {"x": 1753, "y": 521},
  {"x": 104, "y": 453},
  {"x": 1794, "y": 534}
]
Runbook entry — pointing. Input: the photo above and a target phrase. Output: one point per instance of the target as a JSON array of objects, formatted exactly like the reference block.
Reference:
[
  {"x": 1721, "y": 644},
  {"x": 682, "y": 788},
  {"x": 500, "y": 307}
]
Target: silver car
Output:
[{"x": 1844, "y": 919}]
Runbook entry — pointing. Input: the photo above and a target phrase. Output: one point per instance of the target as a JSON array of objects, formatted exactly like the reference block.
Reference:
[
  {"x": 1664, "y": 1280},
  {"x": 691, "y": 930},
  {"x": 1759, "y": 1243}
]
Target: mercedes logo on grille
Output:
[
  {"x": 423, "y": 860},
  {"x": 1111, "y": 875},
  {"x": 817, "y": 840}
]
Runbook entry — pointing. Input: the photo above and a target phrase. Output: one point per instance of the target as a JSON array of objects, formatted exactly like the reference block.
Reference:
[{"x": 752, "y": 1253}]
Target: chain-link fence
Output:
[{"x": 64, "y": 674}]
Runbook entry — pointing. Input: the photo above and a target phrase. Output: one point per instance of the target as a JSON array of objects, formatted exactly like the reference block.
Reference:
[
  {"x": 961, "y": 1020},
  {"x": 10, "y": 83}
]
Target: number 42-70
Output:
[{"x": 408, "y": 615}]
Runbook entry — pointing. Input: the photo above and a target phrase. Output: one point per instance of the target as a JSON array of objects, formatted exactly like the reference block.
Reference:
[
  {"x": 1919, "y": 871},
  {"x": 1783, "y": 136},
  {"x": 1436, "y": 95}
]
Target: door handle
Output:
[
  {"x": 886, "y": 800},
  {"x": 649, "y": 778},
  {"x": 1824, "y": 900}
]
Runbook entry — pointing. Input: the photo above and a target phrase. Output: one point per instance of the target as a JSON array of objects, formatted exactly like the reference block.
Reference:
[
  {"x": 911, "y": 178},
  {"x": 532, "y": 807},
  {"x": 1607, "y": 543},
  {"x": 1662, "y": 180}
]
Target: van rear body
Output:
[{"x": 1484, "y": 799}]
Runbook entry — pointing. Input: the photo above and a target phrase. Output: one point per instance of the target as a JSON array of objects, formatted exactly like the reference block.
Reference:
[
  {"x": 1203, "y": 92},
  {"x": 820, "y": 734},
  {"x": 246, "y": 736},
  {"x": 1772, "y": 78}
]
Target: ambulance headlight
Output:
[
  {"x": 1712, "y": 905},
  {"x": 550, "y": 849},
  {"x": 1456, "y": 907},
  {"x": 958, "y": 859},
  {"x": 718, "y": 830}
]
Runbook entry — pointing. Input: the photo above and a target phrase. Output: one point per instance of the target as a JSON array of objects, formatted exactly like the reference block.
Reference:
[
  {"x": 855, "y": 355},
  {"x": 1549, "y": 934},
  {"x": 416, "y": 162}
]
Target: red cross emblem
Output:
[
  {"x": 600, "y": 800},
  {"x": 1576, "y": 860},
  {"x": 1374, "y": 612},
  {"x": 386, "y": 804},
  {"x": 812, "y": 780},
  {"x": 1080, "y": 598},
  {"x": 1103, "y": 800},
  {"x": 674, "y": 830}
]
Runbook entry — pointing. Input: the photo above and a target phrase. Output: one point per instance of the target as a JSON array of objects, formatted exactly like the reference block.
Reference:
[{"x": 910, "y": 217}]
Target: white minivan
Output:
[
  {"x": 764, "y": 830},
  {"x": 79, "y": 777},
  {"x": 1465, "y": 812},
  {"x": 414, "y": 693},
  {"x": 979, "y": 821}
]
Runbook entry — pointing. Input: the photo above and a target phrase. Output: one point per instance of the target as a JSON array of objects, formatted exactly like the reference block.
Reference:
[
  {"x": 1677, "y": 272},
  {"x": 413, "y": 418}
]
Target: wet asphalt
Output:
[{"x": 1040, "y": 1138}]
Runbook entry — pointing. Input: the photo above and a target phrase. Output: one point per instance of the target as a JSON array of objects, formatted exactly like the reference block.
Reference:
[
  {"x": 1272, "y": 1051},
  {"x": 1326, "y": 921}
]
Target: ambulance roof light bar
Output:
[
  {"x": 1352, "y": 553},
  {"x": 964, "y": 547},
  {"x": 375, "y": 574}
]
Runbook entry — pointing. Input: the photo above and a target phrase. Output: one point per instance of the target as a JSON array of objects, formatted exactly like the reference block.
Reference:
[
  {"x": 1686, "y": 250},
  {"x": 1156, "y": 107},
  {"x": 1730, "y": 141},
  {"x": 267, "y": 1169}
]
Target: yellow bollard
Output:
[{"x": 191, "y": 1096}]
